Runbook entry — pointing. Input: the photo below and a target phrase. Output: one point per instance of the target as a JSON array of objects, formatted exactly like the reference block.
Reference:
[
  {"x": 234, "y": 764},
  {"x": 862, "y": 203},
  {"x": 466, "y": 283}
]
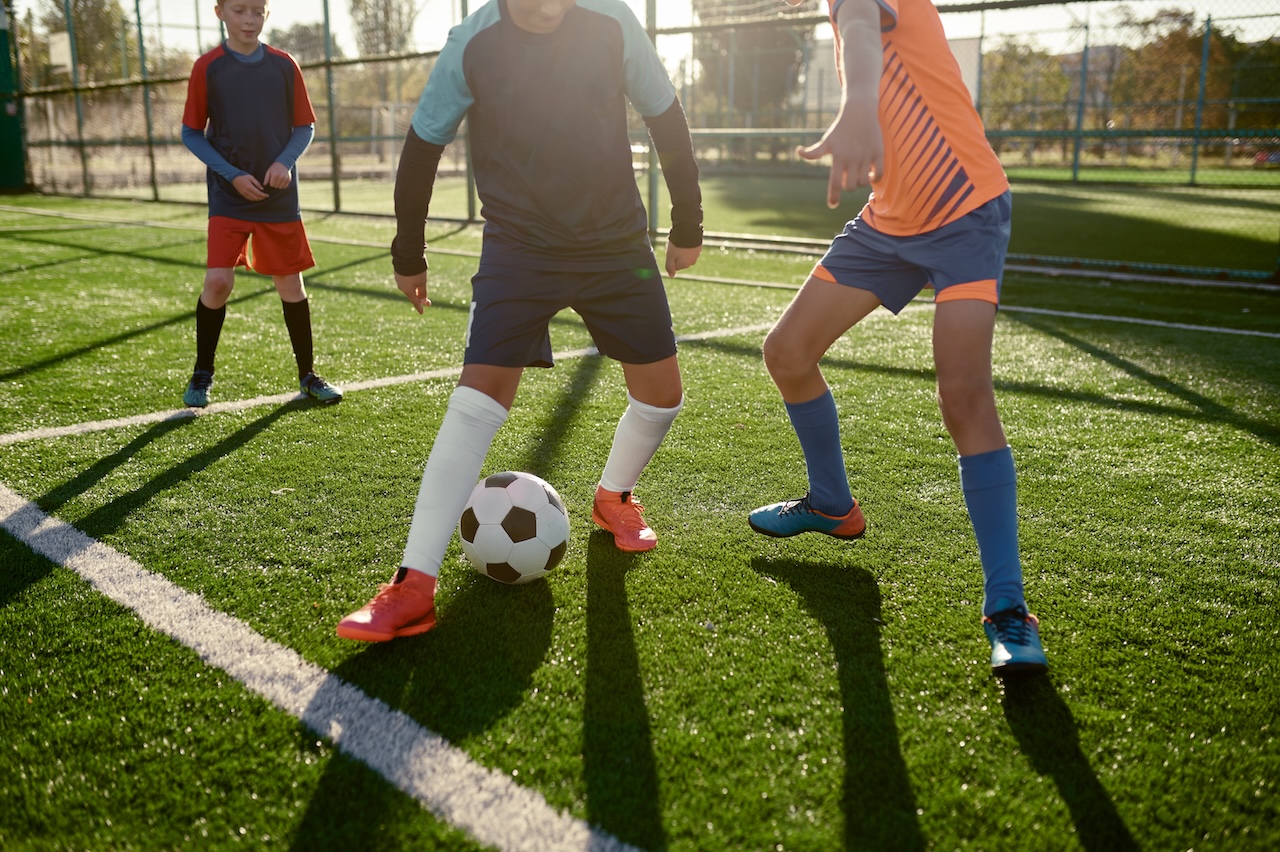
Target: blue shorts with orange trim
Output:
[
  {"x": 277, "y": 248},
  {"x": 961, "y": 260}
]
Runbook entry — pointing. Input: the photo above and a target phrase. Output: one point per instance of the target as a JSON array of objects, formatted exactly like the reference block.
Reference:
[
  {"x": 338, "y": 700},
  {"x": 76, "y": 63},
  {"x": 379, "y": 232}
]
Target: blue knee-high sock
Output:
[
  {"x": 991, "y": 494},
  {"x": 817, "y": 425}
]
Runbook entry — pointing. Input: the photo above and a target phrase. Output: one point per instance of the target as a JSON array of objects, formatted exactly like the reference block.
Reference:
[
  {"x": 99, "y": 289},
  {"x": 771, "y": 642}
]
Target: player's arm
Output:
[
  {"x": 415, "y": 180},
  {"x": 854, "y": 140},
  {"x": 670, "y": 134},
  {"x": 279, "y": 173}
]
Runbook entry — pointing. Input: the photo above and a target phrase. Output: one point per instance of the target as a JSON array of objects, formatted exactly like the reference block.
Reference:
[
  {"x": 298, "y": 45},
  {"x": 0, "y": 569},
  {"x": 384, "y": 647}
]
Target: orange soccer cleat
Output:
[
  {"x": 404, "y": 607},
  {"x": 619, "y": 513}
]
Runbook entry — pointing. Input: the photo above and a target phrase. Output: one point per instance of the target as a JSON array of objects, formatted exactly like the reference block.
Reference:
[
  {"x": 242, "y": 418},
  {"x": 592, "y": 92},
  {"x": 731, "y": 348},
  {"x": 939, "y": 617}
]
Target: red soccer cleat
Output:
[
  {"x": 404, "y": 607},
  {"x": 619, "y": 513}
]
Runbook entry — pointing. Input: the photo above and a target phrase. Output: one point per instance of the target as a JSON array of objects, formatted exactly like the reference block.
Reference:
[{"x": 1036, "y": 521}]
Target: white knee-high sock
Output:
[
  {"x": 639, "y": 434},
  {"x": 453, "y": 467}
]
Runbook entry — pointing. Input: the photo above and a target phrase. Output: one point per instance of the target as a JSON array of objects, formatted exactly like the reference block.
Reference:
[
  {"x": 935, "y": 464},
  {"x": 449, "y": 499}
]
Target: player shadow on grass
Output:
[
  {"x": 878, "y": 803},
  {"x": 619, "y": 767},
  {"x": 1048, "y": 735},
  {"x": 459, "y": 681}
]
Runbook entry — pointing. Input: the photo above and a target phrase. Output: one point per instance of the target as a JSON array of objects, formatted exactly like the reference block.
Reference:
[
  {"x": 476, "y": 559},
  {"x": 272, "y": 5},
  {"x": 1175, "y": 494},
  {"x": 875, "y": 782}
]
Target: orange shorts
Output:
[{"x": 277, "y": 248}]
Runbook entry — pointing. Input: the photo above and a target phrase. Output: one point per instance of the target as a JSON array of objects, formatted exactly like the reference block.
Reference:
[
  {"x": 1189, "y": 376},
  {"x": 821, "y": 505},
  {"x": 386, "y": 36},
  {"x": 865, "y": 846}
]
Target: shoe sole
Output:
[
  {"x": 644, "y": 547},
  {"x": 364, "y": 634},
  {"x": 1019, "y": 669},
  {"x": 841, "y": 536}
]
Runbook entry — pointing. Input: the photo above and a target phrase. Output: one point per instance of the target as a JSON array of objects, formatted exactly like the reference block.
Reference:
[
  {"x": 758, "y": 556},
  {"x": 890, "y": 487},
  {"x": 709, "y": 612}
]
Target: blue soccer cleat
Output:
[
  {"x": 197, "y": 393},
  {"x": 1014, "y": 635},
  {"x": 792, "y": 517},
  {"x": 318, "y": 389}
]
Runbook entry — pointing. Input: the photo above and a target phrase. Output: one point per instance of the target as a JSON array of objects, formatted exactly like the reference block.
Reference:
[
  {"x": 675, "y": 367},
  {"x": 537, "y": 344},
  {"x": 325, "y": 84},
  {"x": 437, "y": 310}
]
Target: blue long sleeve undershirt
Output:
[{"x": 197, "y": 144}]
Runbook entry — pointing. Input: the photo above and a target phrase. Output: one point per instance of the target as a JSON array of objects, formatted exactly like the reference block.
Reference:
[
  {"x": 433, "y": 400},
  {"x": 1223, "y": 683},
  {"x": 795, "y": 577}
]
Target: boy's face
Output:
[
  {"x": 539, "y": 16},
  {"x": 244, "y": 20}
]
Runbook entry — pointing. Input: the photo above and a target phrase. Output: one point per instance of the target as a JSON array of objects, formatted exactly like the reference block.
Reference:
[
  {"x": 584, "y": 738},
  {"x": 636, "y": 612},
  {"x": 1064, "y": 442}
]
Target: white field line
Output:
[
  {"x": 441, "y": 777},
  {"x": 1211, "y": 329},
  {"x": 282, "y": 398}
]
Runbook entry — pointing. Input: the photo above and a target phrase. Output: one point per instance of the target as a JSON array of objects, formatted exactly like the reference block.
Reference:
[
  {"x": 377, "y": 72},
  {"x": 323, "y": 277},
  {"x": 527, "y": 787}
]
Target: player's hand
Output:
[
  {"x": 679, "y": 258},
  {"x": 856, "y": 148},
  {"x": 278, "y": 176},
  {"x": 249, "y": 188},
  {"x": 415, "y": 288}
]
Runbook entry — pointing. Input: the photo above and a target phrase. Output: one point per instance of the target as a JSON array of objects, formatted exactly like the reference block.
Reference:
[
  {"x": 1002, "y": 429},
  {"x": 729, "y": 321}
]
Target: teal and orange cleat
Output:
[
  {"x": 1014, "y": 635},
  {"x": 404, "y": 607},
  {"x": 792, "y": 517},
  {"x": 620, "y": 513},
  {"x": 197, "y": 393},
  {"x": 319, "y": 390}
]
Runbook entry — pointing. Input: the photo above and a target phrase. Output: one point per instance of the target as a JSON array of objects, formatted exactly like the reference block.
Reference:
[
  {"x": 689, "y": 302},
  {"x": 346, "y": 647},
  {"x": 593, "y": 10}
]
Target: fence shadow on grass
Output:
[
  {"x": 1206, "y": 409},
  {"x": 879, "y": 804},
  {"x": 1047, "y": 733}
]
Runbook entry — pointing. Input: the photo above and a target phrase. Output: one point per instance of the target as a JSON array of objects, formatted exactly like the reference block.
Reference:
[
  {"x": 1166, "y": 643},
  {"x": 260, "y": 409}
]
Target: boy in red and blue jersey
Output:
[
  {"x": 938, "y": 215},
  {"x": 544, "y": 87},
  {"x": 248, "y": 118}
]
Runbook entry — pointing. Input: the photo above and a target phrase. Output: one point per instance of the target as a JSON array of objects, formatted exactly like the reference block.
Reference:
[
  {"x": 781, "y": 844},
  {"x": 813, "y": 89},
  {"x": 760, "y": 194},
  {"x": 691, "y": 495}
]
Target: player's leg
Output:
[
  {"x": 629, "y": 318},
  {"x": 962, "y": 339},
  {"x": 282, "y": 250},
  {"x": 477, "y": 409},
  {"x": 225, "y": 251},
  {"x": 654, "y": 398},
  {"x": 818, "y": 316},
  {"x": 507, "y": 330}
]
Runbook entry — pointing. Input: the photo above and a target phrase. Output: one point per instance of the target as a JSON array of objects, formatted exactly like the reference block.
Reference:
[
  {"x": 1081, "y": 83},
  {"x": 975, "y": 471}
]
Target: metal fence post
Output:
[
  {"x": 75, "y": 83},
  {"x": 1200, "y": 97},
  {"x": 335, "y": 162},
  {"x": 651, "y": 24},
  {"x": 1084, "y": 89},
  {"x": 146, "y": 103}
]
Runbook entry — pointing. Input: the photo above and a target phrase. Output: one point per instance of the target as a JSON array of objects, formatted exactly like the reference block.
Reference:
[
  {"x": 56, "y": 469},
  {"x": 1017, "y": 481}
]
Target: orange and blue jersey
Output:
[{"x": 938, "y": 163}]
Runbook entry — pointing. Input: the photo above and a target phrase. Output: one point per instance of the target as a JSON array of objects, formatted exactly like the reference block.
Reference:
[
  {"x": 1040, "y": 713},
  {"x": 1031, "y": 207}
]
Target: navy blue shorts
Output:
[
  {"x": 625, "y": 310},
  {"x": 961, "y": 260}
]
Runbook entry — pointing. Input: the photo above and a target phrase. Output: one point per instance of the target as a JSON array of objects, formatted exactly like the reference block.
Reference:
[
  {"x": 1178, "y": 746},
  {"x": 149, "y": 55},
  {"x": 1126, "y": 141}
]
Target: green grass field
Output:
[{"x": 169, "y": 675}]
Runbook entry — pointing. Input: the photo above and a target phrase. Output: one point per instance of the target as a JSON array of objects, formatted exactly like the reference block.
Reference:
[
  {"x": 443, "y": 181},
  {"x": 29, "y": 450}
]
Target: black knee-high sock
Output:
[
  {"x": 208, "y": 330},
  {"x": 297, "y": 318}
]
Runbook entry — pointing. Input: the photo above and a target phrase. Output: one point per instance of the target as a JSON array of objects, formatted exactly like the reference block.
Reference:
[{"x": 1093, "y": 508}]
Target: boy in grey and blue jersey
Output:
[{"x": 544, "y": 87}]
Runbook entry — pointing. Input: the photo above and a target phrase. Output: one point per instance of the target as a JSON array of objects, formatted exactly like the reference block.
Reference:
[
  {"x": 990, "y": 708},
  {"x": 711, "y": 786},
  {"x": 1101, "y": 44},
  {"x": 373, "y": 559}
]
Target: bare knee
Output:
[
  {"x": 786, "y": 362},
  {"x": 218, "y": 284},
  {"x": 290, "y": 287}
]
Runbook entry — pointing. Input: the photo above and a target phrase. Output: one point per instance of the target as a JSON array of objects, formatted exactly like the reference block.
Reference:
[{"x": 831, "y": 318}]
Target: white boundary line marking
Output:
[
  {"x": 1212, "y": 329},
  {"x": 441, "y": 777}
]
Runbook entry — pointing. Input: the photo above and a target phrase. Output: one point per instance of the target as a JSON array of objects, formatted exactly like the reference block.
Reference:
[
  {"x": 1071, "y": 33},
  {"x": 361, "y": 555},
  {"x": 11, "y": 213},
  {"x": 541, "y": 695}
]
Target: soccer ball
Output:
[{"x": 514, "y": 528}]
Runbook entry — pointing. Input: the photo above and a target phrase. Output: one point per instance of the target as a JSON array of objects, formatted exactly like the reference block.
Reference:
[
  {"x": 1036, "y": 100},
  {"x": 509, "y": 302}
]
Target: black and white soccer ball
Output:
[{"x": 515, "y": 528}]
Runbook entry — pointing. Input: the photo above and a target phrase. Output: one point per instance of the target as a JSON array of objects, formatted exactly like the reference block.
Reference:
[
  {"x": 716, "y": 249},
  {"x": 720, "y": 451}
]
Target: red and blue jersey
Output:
[
  {"x": 247, "y": 110},
  {"x": 938, "y": 163}
]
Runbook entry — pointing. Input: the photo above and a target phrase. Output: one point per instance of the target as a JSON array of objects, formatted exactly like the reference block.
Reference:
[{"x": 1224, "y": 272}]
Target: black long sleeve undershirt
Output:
[
  {"x": 670, "y": 134},
  {"x": 415, "y": 180}
]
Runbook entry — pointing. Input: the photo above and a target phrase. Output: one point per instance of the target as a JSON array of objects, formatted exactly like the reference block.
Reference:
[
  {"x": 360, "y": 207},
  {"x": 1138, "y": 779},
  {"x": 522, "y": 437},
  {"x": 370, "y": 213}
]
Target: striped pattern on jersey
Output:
[{"x": 938, "y": 163}]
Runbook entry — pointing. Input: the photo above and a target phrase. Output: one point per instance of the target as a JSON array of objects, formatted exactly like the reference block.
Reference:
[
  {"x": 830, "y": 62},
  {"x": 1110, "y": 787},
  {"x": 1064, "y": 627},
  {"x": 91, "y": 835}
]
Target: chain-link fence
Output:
[{"x": 1151, "y": 93}]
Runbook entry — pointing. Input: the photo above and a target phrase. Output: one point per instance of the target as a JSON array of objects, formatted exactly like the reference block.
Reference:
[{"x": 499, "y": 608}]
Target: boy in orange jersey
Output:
[{"x": 939, "y": 214}]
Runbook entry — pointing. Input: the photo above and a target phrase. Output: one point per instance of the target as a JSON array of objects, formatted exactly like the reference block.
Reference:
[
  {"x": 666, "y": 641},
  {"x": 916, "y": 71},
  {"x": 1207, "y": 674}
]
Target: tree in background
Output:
[
  {"x": 305, "y": 43},
  {"x": 384, "y": 28},
  {"x": 1024, "y": 88},
  {"x": 106, "y": 43}
]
